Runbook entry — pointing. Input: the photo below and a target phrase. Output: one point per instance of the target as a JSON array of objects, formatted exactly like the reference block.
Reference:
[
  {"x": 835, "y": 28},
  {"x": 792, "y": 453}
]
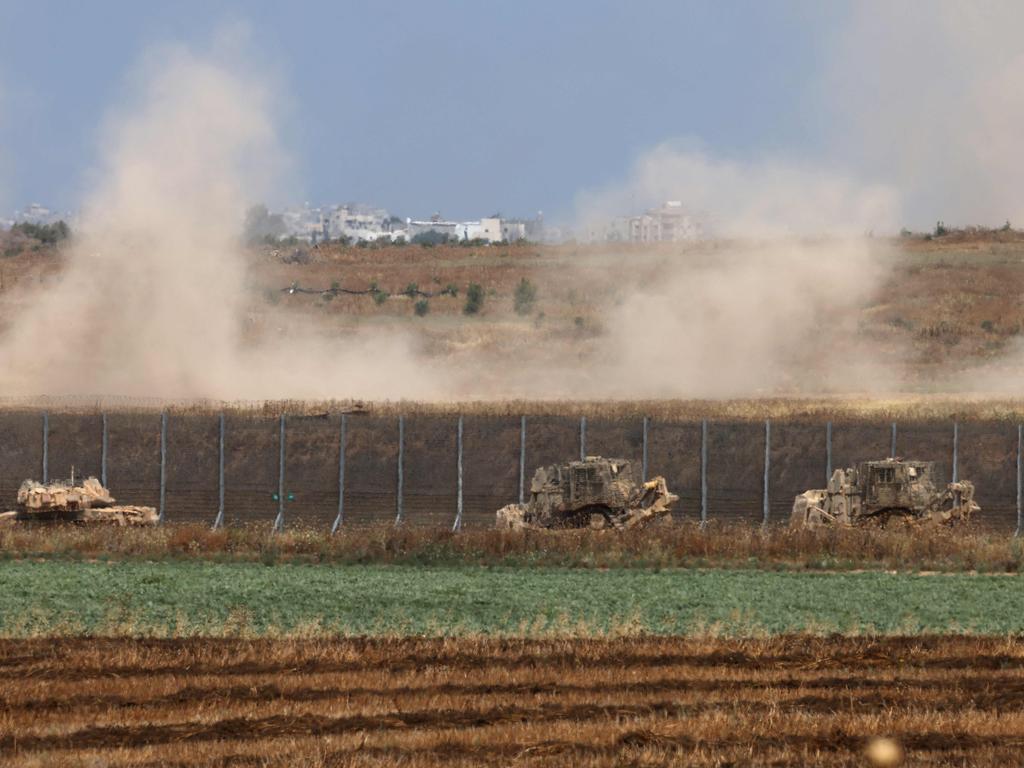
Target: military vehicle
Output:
[
  {"x": 880, "y": 492},
  {"x": 592, "y": 493},
  {"x": 64, "y": 501}
]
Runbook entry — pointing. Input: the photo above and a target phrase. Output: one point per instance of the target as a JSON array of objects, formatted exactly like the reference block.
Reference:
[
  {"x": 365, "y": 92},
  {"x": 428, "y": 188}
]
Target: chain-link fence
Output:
[{"x": 332, "y": 470}]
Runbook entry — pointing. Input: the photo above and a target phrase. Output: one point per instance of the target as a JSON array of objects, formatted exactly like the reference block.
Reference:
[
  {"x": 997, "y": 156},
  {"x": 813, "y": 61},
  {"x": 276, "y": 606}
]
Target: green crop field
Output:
[{"x": 205, "y": 598}]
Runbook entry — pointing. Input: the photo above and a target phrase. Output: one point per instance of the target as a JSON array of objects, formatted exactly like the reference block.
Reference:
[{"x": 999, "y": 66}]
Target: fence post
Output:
[
  {"x": 401, "y": 477},
  {"x": 643, "y": 463},
  {"x": 767, "y": 468},
  {"x": 583, "y": 438},
  {"x": 46, "y": 447},
  {"x": 279, "y": 521},
  {"x": 163, "y": 465},
  {"x": 828, "y": 453},
  {"x": 522, "y": 459},
  {"x": 703, "y": 473},
  {"x": 458, "y": 506},
  {"x": 892, "y": 447},
  {"x": 956, "y": 452},
  {"x": 1020, "y": 440},
  {"x": 219, "y": 520},
  {"x": 341, "y": 476},
  {"x": 103, "y": 454}
]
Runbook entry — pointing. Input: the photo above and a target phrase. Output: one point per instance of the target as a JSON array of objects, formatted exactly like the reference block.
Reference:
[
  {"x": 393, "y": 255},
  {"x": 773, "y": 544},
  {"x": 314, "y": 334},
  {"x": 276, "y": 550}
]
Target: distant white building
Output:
[
  {"x": 355, "y": 221},
  {"x": 668, "y": 224},
  {"x": 492, "y": 229},
  {"x": 453, "y": 230}
]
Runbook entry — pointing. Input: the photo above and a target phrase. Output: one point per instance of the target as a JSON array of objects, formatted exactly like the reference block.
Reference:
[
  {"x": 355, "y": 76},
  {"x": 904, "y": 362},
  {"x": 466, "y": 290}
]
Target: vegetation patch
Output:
[{"x": 216, "y": 599}]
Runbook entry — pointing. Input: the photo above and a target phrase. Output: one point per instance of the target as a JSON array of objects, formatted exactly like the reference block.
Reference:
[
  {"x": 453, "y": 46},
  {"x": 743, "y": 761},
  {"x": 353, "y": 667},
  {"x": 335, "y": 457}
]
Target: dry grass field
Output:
[
  {"x": 786, "y": 701},
  {"x": 685, "y": 545}
]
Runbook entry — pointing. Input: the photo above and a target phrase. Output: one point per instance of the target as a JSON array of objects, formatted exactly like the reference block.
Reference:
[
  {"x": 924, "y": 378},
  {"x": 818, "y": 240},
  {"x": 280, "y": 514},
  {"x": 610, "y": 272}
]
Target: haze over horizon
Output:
[{"x": 787, "y": 118}]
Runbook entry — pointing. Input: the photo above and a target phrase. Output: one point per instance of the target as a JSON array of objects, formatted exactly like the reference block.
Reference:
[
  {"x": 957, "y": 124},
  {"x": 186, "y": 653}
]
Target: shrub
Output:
[
  {"x": 411, "y": 289},
  {"x": 379, "y": 296},
  {"x": 421, "y": 307},
  {"x": 987, "y": 325},
  {"x": 44, "y": 233},
  {"x": 525, "y": 296},
  {"x": 940, "y": 229},
  {"x": 474, "y": 299},
  {"x": 430, "y": 238}
]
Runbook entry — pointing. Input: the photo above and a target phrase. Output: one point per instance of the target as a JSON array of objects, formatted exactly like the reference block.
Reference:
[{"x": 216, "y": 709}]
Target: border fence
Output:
[{"x": 342, "y": 470}]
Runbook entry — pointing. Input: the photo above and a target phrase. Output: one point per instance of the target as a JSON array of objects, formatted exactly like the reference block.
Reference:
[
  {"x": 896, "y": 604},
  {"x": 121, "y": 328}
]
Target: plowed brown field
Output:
[{"x": 779, "y": 701}]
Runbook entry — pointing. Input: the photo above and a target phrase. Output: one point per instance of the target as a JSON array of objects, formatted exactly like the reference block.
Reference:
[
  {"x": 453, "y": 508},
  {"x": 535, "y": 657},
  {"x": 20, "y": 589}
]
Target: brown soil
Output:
[{"x": 637, "y": 701}]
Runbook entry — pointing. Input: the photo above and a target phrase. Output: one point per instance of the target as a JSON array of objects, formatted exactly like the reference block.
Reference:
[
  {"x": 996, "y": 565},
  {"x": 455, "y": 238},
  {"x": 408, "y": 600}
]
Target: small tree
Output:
[
  {"x": 474, "y": 299},
  {"x": 48, "y": 234},
  {"x": 421, "y": 307},
  {"x": 525, "y": 296}
]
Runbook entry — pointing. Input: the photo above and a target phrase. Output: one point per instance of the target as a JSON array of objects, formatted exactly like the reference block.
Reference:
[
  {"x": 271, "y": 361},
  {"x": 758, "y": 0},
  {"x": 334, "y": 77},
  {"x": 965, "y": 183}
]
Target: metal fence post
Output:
[
  {"x": 163, "y": 466},
  {"x": 892, "y": 446},
  {"x": 583, "y": 438},
  {"x": 458, "y": 505},
  {"x": 956, "y": 452},
  {"x": 46, "y": 447},
  {"x": 522, "y": 459},
  {"x": 219, "y": 520},
  {"x": 401, "y": 477},
  {"x": 828, "y": 453},
  {"x": 643, "y": 463},
  {"x": 767, "y": 469},
  {"x": 103, "y": 453},
  {"x": 1020, "y": 445},
  {"x": 703, "y": 473},
  {"x": 279, "y": 521},
  {"x": 341, "y": 476}
]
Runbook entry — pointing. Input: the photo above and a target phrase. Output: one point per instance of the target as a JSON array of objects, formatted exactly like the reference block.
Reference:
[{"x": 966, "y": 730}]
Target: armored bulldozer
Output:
[
  {"x": 64, "y": 501},
  {"x": 880, "y": 492},
  {"x": 593, "y": 493}
]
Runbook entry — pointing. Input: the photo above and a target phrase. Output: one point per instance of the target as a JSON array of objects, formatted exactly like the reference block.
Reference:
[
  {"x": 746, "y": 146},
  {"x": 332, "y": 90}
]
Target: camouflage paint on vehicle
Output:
[
  {"x": 592, "y": 493},
  {"x": 876, "y": 492}
]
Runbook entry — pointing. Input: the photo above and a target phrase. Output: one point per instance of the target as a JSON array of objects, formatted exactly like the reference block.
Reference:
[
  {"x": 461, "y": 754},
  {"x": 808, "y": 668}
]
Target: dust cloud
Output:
[
  {"x": 754, "y": 320},
  {"x": 928, "y": 98},
  {"x": 151, "y": 299},
  {"x": 773, "y": 308},
  {"x": 153, "y": 296},
  {"x": 772, "y": 197}
]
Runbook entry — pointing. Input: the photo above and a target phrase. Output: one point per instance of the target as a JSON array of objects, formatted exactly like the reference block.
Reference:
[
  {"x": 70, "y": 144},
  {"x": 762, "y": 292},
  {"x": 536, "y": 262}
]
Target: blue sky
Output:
[{"x": 462, "y": 107}]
